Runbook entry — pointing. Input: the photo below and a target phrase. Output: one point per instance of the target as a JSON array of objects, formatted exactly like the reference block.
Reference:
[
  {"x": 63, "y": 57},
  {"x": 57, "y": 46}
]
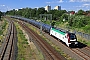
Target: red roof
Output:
[{"x": 73, "y": 12}]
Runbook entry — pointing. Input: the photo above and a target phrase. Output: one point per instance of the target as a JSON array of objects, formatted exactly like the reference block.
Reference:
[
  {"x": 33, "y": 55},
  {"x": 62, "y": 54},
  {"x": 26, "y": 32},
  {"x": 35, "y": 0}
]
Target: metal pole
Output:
[
  {"x": 51, "y": 20},
  {"x": 41, "y": 25}
]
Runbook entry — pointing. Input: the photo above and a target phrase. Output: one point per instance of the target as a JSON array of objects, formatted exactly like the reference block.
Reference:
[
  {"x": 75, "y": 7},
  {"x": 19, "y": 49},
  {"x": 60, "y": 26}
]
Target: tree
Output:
[
  {"x": 0, "y": 15},
  {"x": 33, "y": 13},
  {"x": 11, "y": 12},
  {"x": 40, "y": 11},
  {"x": 80, "y": 12},
  {"x": 56, "y": 14},
  {"x": 64, "y": 16}
]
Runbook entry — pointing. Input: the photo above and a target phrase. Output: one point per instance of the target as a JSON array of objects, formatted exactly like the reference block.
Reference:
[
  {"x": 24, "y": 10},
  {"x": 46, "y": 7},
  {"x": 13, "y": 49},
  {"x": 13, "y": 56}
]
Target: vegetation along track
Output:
[
  {"x": 49, "y": 52},
  {"x": 7, "y": 50}
]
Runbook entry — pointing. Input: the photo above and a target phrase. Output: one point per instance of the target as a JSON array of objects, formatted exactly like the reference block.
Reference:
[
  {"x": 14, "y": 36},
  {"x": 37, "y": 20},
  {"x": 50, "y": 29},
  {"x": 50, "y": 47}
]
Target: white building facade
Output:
[
  {"x": 57, "y": 8},
  {"x": 48, "y": 8}
]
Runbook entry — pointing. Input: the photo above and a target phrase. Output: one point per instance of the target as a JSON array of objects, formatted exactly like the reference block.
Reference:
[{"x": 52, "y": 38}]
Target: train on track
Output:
[{"x": 68, "y": 38}]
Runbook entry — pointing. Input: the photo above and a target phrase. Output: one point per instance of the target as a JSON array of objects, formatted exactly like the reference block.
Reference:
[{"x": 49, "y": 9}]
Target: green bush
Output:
[{"x": 1, "y": 32}]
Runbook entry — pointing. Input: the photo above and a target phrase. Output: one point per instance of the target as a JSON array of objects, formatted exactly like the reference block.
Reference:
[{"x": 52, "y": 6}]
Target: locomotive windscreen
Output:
[{"x": 72, "y": 36}]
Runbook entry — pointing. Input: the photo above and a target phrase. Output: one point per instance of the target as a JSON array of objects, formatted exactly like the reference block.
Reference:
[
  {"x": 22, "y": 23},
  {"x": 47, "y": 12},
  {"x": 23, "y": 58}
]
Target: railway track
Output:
[
  {"x": 81, "y": 53},
  {"x": 87, "y": 48},
  {"x": 7, "y": 50},
  {"x": 49, "y": 52}
]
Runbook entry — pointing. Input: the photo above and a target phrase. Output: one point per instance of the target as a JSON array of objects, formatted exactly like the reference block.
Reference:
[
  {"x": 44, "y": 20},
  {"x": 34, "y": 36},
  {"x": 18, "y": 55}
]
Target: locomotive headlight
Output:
[{"x": 76, "y": 42}]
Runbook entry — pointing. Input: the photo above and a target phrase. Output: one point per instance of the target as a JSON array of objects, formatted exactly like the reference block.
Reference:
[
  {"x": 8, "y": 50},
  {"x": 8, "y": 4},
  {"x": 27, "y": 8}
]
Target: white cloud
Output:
[
  {"x": 36, "y": 7},
  {"x": 85, "y": 0},
  {"x": 16, "y": 9},
  {"x": 48, "y": 2},
  {"x": 2, "y": 5},
  {"x": 4, "y": 8},
  {"x": 78, "y": 6},
  {"x": 63, "y": 8},
  {"x": 82, "y": 6},
  {"x": 79, "y": 0},
  {"x": 86, "y": 4},
  {"x": 72, "y": 1},
  {"x": 58, "y": 1}
]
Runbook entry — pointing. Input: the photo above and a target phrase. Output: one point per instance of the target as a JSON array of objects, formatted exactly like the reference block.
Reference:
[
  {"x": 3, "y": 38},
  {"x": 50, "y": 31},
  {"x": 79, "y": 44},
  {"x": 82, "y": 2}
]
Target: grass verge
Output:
[
  {"x": 3, "y": 29},
  {"x": 26, "y": 49}
]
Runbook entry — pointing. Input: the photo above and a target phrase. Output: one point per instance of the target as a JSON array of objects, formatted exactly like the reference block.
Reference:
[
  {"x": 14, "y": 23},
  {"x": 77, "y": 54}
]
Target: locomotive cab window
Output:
[{"x": 72, "y": 36}]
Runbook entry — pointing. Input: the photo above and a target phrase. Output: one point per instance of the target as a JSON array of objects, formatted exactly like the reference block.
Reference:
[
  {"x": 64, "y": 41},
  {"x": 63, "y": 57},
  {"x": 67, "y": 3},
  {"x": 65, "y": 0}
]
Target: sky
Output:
[{"x": 75, "y": 5}]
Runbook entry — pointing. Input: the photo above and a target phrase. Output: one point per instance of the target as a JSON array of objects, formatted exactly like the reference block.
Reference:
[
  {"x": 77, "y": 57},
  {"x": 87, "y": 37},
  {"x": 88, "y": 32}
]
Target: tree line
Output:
[
  {"x": 80, "y": 19},
  {"x": 34, "y": 13},
  {"x": 1, "y": 14}
]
